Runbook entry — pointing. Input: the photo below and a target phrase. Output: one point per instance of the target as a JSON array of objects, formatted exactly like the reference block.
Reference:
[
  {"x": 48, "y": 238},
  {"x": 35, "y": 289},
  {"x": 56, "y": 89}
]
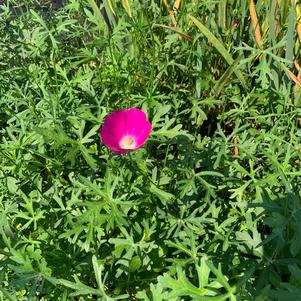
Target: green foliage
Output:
[{"x": 208, "y": 209}]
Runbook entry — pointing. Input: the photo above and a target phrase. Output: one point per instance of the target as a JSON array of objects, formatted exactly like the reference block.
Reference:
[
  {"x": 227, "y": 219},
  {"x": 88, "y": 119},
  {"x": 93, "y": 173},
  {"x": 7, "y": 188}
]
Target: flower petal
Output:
[
  {"x": 143, "y": 135},
  {"x": 135, "y": 121},
  {"x": 122, "y": 123},
  {"x": 115, "y": 123}
]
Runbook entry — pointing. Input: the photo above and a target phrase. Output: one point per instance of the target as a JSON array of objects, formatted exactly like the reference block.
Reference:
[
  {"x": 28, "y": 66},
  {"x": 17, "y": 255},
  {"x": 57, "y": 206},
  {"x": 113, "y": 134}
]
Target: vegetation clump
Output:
[{"x": 208, "y": 208}]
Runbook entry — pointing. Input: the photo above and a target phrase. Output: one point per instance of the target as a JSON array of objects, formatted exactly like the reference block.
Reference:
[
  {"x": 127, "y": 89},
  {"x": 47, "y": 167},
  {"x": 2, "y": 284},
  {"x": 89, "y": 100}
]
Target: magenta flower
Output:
[{"x": 125, "y": 130}]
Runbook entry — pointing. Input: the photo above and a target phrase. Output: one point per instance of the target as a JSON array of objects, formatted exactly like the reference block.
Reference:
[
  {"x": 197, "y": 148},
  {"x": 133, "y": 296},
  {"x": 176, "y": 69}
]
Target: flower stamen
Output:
[{"x": 127, "y": 142}]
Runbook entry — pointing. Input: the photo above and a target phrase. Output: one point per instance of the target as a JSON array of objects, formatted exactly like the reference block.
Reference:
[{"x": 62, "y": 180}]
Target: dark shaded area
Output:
[
  {"x": 52, "y": 3},
  {"x": 46, "y": 5}
]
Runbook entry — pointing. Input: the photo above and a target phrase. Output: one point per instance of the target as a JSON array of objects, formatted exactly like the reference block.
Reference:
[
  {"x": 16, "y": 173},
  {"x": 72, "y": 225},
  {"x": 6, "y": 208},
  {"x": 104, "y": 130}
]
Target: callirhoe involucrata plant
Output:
[{"x": 150, "y": 150}]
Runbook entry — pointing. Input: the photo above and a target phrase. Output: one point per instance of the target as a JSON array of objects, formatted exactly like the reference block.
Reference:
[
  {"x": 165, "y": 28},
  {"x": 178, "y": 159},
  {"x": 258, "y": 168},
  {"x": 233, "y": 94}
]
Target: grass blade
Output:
[
  {"x": 226, "y": 76},
  {"x": 171, "y": 13},
  {"x": 127, "y": 7},
  {"x": 255, "y": 23},
  {"x": 222, "y": 9},
  {"x": 298, "y": 13},
  {"x": 219, "y": 47},
  {"x": 272, "y": 22},
  {"x": 176, "y": 30},
  {"x": 177, "y": 4},
  {"x": 106, "y": 14},
  {"x": 290, "y": 39}
]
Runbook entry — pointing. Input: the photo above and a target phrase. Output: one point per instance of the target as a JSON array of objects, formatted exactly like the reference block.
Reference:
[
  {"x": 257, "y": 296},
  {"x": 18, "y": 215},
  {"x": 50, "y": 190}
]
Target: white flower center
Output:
[{"x": 127, "y": 142}]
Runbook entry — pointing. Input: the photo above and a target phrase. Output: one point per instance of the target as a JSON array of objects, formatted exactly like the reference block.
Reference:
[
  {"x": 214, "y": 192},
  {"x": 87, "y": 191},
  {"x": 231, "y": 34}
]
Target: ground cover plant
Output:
[{"x": 209, "y": 208}]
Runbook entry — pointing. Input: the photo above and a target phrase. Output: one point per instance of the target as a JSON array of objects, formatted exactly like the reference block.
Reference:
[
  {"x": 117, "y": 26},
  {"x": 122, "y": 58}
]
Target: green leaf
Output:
[
  {"x": 220, "y": 277},
  {"x": 163, "y": 196},
  {"x": 180, "y": 286},
  {"x": 12, "y": 185}
]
